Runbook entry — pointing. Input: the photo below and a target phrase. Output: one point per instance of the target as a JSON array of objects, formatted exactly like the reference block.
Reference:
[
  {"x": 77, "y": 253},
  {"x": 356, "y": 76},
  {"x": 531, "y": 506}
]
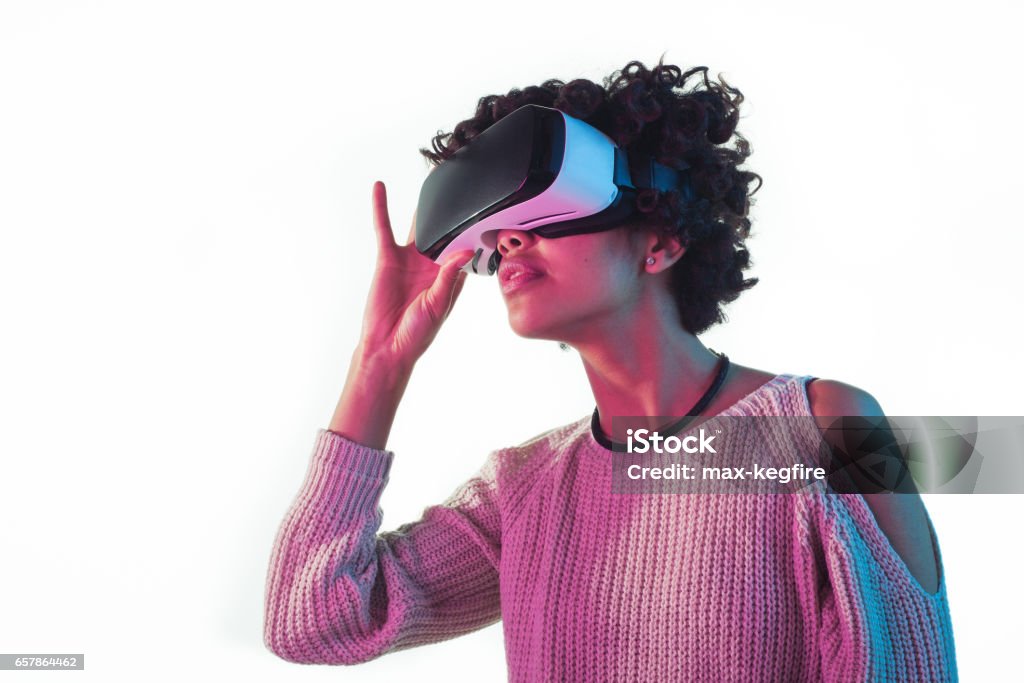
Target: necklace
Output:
[{"x": 723, "y": 368}]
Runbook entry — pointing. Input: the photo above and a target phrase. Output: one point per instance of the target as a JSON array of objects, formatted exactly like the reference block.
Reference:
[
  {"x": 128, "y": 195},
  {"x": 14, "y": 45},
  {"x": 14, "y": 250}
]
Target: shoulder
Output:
[
  {"x": 829, "y": 397},
  {"x": 540, "y": 452},
  {"x": 833, "y": 404},
  {"x": 555, "y": 438},
  {"x": 835, "y": 407}
]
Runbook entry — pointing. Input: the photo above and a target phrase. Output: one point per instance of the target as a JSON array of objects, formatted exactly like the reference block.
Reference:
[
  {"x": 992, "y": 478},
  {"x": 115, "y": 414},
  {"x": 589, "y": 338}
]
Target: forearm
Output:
[
  {"x": 317, "y": 608},
  {"x": 369, "y": 401},
  {"x": 340, "y": 593}
]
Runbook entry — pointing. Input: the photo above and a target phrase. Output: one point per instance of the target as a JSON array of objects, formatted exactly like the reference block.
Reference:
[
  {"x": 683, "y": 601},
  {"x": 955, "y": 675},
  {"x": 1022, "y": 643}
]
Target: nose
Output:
[{"x": 510, "y": 240}]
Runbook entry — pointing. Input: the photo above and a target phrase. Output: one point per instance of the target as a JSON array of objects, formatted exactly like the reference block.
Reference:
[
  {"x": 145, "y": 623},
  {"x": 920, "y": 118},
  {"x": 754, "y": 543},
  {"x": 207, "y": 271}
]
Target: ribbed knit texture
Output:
[{"x": 596, "y": 586}]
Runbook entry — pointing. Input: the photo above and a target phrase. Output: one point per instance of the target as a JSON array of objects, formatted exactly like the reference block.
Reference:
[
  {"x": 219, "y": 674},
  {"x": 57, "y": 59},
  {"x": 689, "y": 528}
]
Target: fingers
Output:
[
  {"x": 381, "y": 220},
  {"x": 458, "y": 260},
  {"x": 412, "y": 230}
]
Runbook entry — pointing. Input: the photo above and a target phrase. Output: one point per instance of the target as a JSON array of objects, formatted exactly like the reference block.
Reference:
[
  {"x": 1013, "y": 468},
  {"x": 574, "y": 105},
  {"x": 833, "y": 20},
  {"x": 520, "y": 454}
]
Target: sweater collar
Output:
[{"x": 599, "y": 441}]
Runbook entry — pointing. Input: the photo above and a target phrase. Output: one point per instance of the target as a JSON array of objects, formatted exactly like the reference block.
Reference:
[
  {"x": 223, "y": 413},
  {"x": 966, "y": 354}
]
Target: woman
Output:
[{"x": 591, "y": 585}]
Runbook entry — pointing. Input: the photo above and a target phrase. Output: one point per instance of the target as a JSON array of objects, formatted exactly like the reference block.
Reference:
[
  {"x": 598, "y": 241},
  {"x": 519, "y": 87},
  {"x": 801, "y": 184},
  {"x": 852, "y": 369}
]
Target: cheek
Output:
[
  {"x": 602, "y": 281},
  {"x": 590, "y": 269}
]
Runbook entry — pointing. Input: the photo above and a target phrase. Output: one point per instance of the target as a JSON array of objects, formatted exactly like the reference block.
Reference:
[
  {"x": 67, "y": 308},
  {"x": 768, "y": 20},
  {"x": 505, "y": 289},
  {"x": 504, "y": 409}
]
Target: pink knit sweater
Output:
[{"x": 596, "y": 586}]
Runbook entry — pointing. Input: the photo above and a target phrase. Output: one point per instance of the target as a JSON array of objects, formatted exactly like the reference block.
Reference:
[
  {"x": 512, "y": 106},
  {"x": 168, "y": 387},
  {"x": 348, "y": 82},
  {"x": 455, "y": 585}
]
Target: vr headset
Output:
[{"x": 536, "y": 169}]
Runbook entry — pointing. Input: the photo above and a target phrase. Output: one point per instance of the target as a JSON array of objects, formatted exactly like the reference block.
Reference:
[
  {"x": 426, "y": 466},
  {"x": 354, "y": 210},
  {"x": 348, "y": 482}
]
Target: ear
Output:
[{"x": 665, "y": 249}]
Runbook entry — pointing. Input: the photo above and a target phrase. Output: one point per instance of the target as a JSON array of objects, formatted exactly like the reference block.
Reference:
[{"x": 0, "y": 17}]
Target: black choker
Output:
[{"x": 723, "y": 368}]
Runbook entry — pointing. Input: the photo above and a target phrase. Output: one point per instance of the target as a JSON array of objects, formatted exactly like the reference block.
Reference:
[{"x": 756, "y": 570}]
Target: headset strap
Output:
[{"x": 644, "y": 172}]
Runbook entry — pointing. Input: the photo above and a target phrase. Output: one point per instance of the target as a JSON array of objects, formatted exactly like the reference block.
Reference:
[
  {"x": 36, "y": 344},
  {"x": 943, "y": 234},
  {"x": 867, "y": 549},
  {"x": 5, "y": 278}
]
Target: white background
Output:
[{"x": 187, "y": 244}]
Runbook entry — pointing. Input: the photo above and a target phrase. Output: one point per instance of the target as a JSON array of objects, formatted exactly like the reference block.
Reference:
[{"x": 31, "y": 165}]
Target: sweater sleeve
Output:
[
  {"x": 338, "y": 592},
  {"x": 874, "y": 620}
]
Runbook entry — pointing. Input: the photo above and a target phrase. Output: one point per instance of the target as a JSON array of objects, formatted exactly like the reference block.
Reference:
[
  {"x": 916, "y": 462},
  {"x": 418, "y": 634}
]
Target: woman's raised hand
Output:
[{"x": 410, "y": 296}]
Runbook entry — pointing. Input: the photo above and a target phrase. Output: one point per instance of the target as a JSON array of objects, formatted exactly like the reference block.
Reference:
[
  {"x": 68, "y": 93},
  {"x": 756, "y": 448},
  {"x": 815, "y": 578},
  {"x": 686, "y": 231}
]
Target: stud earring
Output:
[{"x": 650, "y": 260}]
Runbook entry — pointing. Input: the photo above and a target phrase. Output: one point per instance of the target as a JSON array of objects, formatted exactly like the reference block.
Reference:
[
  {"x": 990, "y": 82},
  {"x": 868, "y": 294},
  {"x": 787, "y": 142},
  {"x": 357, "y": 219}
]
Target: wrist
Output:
[{"x": 380, "y": 368}]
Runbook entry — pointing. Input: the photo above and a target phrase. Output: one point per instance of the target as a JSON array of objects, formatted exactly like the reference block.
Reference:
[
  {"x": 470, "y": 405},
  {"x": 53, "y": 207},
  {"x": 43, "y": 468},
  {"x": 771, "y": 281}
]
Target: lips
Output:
[{"x": 514, "y": 273}]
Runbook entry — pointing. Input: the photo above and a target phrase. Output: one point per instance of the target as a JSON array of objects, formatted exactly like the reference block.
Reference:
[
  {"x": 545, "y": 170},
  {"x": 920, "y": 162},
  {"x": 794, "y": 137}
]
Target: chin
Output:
[{"x": 529, "y": 327}]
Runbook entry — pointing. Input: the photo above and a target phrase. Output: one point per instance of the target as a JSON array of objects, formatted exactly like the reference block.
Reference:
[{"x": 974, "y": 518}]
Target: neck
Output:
[{"x": 654, "y": 368}]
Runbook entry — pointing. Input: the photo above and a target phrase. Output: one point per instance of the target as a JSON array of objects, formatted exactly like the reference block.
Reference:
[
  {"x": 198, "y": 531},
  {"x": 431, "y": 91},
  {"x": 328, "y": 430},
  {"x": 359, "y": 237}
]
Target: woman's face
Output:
[{"x": 568, "y": 288}]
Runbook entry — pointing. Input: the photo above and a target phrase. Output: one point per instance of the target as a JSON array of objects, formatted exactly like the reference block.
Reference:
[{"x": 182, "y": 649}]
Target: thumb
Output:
[
  {"x": 459, "y": 283},
  {"x": 447, "y": 284}
]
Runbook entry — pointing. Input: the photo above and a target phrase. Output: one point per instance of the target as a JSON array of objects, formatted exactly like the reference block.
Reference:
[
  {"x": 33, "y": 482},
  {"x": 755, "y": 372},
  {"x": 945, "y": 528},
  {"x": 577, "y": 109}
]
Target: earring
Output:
[{"x": 650, "y": 260}]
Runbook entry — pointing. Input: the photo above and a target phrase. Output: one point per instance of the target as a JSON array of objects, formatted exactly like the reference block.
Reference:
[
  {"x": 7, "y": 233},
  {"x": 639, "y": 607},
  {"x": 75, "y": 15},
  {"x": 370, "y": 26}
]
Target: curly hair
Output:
[{"x": 651, "y": 112}]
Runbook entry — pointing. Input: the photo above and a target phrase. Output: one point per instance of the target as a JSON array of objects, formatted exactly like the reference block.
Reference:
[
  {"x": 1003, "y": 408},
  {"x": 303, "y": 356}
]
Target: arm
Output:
[
  {"x": 869, "y": 618},
  {"x": 902, "y": 518},
  {"x": 871, "y": 575},
  {"x": 340, "y": 593},
  {"x": 337, "y": 591},
  {"x": 410, "y": 298}
]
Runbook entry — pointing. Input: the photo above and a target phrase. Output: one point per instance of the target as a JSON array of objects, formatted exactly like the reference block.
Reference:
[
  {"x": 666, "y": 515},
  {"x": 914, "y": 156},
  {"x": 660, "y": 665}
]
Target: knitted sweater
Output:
[{"x": 595, "y": 586}]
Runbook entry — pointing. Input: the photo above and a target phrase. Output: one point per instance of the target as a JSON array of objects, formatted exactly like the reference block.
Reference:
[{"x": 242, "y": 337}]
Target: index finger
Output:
[
  {"x": 381, "y": 220},
  {"x": 412, "y": 230}
]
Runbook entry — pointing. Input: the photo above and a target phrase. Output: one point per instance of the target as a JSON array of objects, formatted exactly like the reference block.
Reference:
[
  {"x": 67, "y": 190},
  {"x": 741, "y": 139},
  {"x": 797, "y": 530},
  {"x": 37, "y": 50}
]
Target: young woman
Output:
[{"x": 590, "y": 585}]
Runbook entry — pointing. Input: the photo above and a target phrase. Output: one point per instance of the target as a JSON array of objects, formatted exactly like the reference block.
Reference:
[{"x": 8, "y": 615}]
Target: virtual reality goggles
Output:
[{"x": 536, "y": 169}]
